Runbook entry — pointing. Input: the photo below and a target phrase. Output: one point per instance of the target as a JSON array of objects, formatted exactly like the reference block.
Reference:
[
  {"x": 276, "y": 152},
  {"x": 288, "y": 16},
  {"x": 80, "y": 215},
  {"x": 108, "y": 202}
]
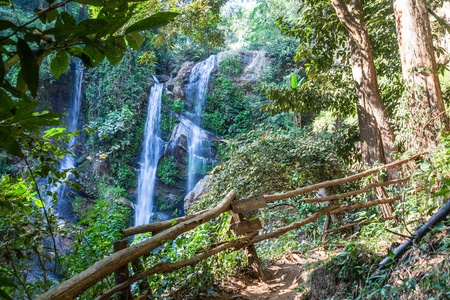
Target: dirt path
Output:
[{"x": 287, "y": 273}]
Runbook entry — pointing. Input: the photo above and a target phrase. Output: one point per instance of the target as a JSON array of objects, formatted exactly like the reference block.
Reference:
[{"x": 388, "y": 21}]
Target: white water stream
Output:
[
  {"x": 63, "y": 208},
  {"x": 196, "y": 90},
  {"x": 150, "y": 154}
]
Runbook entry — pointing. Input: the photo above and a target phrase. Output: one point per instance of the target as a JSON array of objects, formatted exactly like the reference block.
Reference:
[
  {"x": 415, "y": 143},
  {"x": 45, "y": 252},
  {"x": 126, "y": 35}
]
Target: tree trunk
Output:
[
  {"x": 419, "y": 67},
  {"x": 372, "y": 113},
  {"x": 377, "y": 136}
]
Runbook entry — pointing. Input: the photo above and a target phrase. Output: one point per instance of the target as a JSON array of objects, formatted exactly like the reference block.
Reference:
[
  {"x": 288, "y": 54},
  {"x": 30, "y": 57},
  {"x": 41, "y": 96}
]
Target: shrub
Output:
[{"x": 231, "y": 65}]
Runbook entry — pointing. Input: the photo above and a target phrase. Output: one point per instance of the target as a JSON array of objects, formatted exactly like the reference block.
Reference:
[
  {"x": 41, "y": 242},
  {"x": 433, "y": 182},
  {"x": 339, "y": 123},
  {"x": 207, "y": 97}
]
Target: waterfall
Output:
[
  {"x": 63, "y": 207},
  {"x": 150, "y": 154},
  {"x": 196, "y": 90}
]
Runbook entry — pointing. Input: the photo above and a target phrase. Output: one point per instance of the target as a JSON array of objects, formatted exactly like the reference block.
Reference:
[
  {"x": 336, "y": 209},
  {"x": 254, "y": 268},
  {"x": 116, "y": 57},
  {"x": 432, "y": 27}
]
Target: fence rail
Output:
[{"x": 165, "y": 231}]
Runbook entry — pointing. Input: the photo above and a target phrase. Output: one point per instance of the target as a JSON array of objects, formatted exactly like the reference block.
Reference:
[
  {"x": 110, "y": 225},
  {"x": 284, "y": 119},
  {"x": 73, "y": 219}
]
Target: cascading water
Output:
[
  {"x": 150, "y": 154},
  {"x": 196, "y": 90},
  {"x": 63, "y": 207}
]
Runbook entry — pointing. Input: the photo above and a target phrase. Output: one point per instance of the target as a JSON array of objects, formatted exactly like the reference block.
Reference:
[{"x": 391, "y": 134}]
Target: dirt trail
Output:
[{"x": 287, "y": 273}]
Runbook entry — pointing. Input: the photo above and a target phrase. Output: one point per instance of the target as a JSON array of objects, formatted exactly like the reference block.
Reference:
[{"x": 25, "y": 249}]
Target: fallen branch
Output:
[
  {"x": 157, "y": 227},
  {"x": 314, "y": 187},
  {"x": 163, "y": 268},
  {"x": 280, "y": 231},
  {"x": 353, "y": 193},
  {"x": 78, "y": 284},
  {"x": 356, "y": 224},
  {"x": 374, "y": 202},
  {"x": 237, "y": 244},
  {"x": 417, "y": 236},
  {"x": 366, "y": 204}
]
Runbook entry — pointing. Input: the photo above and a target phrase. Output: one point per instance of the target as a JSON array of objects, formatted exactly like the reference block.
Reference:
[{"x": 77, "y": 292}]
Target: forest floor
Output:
[{"x": 288, "y": 273}]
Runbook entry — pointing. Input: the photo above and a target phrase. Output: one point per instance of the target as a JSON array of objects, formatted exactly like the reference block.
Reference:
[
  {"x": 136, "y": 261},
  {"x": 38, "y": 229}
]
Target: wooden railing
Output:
[{"x": 246, "y": 232}]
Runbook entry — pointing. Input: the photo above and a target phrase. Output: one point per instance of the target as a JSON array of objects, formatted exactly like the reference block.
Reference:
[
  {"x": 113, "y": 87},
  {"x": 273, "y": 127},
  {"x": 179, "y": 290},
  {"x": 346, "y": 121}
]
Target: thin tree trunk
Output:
[
  {"x": 419, "y": 67},
  {"x": 377, "y": 136}
]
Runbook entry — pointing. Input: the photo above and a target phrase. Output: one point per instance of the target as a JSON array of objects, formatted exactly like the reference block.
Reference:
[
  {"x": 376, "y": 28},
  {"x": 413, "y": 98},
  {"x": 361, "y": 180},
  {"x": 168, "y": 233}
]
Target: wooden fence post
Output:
[
  {"x": 139, "y": 268},
  {"x": 242, "y": 223},
  {"x": 122, "y": 274}
]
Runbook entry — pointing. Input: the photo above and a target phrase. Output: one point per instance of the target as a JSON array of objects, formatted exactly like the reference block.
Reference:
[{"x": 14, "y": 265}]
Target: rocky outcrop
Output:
[
  {"x": 168, "y": 197},
  {"x": 56, "y": 93},
  {"x": 253, "y": 63},
  {"x": 176, "y": 84},
  {"x": 197, "y": 194}
]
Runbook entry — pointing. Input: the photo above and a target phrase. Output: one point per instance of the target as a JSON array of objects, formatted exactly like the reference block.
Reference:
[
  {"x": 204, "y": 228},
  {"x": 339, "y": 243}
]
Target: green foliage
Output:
[
  {"x": 330, "y": 84},
  {"x": 200, "y": 277},
  {"x": 231, "y": 65},
  {"x": 100, "y": 228},
  {"x": 114, "y": 110},
  {"x": 168, "y": 122},
  {"x": 27, "y": 226},
  {"x": 229, "y": 110},
  {"x": 26, "y": 47},
  {"x": 168, "y": 171},
  {"x": 276, "y": 161}
]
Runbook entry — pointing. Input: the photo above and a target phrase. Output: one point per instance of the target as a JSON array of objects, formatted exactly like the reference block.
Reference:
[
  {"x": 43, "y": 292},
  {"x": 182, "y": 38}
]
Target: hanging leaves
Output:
[
  {"x": 154, "y": 21},
  {"x": 30, "y": 67},
  {"x": 59, "y": 63},
  {"x": 135, "y": 40},
  {"x": 115, "y": 50}
]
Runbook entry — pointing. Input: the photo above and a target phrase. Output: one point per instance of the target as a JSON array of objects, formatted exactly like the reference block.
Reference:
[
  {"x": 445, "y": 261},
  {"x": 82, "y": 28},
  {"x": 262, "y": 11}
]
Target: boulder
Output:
[
  {"x": 197, "y": 193},
  {"x": 163, "y": 78},
  {"x": 179, "y": 81},
  {"x": 177, "y": 144},
  {"x": 127, "y": 202},
  {"x": 324, "y": 284}
]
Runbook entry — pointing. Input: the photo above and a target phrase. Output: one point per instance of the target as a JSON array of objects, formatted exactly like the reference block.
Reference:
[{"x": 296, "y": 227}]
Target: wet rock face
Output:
[
  {"x": 176, "y": 147},
  {"x": 177, "y": 83},
  {"x": 56, "y": 93},
  {"x": 177, "y": 144}
]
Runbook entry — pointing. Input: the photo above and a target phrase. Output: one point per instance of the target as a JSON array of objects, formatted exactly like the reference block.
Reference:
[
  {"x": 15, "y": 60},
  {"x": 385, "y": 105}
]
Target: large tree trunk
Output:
[
  {"x": 377, "y": 136},
  {"x": 419, "y": 67}
]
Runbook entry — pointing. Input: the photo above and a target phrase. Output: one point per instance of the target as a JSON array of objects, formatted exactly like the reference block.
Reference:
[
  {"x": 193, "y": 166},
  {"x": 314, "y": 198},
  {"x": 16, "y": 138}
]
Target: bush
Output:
[
  {"x": 167, "y": 171},
  {"x": 231, "y": 65}
]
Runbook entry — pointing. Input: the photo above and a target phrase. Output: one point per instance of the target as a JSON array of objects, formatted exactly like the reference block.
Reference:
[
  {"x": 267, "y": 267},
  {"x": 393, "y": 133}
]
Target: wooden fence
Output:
[{"x": 245, "y": 231}]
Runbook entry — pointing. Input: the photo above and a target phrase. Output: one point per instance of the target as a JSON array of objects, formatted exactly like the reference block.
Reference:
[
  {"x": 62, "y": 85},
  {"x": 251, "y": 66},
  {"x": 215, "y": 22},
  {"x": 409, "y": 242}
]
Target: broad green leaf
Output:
[
  {"x": 7, "y": 105},
  {"x": 68, "y": 19},
  {"x": 95, "y": 54},
  {"x": 154, "y": 21},
  {"x": 20, "y": 82},
  {"x": 40, "y": 203},
  {"x": 294, "y": 83},
  {"x": 135, "y": 40},
  {"x": 444, "y": 191},
  {"x": 29, "y": 66},
  {"x": 4, "y": 295},
  {"x": 5, "y": 24},
  {"x": 115, "y": 50},
  {"x": 92, "y": 2},
  {"x": 52, "y": 15},
  {"x": 5, "y": 2},
  {"x": 59, "y": 63},
  {"x": 9, "y": 143},
  {"x": 91, "y": 26},
  {"x": 5, "y": 281}
]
